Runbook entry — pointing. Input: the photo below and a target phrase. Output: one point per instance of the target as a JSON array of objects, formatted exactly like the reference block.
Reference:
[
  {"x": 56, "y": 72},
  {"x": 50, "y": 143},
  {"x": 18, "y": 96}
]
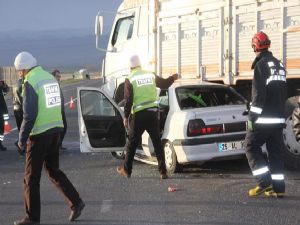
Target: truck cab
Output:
[{"x": 131, "y": 34}]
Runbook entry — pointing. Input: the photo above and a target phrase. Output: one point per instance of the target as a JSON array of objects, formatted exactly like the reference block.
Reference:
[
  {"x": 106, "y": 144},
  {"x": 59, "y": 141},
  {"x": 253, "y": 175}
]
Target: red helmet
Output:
[{"x": 260, "y": 41}]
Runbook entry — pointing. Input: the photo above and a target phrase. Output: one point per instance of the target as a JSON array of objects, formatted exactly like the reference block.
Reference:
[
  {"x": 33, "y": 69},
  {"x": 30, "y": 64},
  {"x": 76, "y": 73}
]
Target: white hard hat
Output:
[
  {"x": 134, "y": 61},
  {"x": 24, "y": 61}
]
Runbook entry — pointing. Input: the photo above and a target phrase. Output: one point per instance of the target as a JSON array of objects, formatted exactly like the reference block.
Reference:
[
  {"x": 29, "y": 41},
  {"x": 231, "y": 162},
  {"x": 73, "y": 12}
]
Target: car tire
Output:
[
  {"x": 172, "y": 164},
  {"x": 291, "y": 149},
  {"x": 118, "y": 154}
]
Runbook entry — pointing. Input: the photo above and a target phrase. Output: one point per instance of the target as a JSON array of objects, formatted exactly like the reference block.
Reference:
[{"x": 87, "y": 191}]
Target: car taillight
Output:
[{"x": 198, "y": 127}]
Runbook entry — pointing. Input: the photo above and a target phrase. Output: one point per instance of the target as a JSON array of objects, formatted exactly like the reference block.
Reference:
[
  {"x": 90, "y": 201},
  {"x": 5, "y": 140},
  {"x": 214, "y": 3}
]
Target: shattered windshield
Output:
[{"x": 207, "y": 96}]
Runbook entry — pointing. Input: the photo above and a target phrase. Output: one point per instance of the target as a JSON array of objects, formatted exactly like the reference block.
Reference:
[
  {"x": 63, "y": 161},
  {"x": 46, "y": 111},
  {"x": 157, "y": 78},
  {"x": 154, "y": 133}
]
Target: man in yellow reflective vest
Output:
[
  {"x": 141, "y": 101},
  {"x": 40, "y": 135}
]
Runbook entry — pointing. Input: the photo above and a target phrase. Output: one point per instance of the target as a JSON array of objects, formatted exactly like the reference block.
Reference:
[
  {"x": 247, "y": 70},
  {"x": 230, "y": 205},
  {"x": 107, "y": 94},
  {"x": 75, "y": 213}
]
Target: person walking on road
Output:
[
  {"x": 56, "y": 74},
  {"x": 141, "y": 100},
  {"x": 40, "y": 134},
  {"x": 3, "y": 112},
  {"x": 266, "y": 120}
]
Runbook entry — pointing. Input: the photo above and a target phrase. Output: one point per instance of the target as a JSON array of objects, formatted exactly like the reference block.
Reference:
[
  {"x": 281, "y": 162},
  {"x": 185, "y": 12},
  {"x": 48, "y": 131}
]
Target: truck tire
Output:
[
  {"x": 291, "y": 149},
  {"x": 172, "y": 164}
]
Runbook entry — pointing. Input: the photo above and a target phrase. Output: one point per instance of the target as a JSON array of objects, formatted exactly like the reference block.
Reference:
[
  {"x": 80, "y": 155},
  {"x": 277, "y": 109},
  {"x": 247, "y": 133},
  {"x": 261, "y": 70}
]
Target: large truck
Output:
[{"x": 206, "y": 39}]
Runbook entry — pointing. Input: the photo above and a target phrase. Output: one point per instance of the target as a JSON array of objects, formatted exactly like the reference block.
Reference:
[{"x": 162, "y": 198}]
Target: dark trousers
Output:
[
  {"x": 19, "y": 118},
  {"x": 272, "y": 137},
  {"x": 141, "y": 121},
  {"x": 43, "y": 150}
]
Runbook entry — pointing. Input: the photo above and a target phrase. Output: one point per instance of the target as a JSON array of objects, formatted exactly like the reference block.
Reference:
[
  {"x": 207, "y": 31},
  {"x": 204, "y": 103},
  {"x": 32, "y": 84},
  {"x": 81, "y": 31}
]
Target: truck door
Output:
[
  {"x": 120, "y": 46},
  {"x": 100, "y": 122}
]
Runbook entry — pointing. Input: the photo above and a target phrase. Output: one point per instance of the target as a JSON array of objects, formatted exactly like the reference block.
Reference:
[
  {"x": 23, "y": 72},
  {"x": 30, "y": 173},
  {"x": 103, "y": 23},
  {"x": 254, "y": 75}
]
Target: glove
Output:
[{"x": 250, "y": 125}]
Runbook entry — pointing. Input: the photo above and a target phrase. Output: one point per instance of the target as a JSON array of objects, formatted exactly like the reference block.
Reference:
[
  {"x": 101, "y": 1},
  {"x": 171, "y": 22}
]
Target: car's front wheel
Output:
[
  {"x": 172, "y": 164},
  {"x": 118, "y": 154}
]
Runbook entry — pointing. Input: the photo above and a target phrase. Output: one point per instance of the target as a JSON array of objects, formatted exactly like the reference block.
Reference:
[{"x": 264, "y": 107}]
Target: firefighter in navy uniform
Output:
[
  {"x": 3, "y": 112},
  {"x": 141, "y": 100},
  {"x": 266, "y": 120}
]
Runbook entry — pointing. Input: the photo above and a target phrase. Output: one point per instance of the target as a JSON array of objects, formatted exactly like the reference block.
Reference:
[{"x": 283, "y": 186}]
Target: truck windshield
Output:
[
  {"x": 207, "y": 96},
  {"x": 123, "y": 31}
]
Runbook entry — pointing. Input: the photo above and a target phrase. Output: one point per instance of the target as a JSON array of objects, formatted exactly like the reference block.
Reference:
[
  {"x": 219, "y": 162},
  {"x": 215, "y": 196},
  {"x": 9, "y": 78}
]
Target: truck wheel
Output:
[
  {"x": 172, "y": 164},
  {"x": 118, "y": 154},
  {"x": 291, "y": 150}
]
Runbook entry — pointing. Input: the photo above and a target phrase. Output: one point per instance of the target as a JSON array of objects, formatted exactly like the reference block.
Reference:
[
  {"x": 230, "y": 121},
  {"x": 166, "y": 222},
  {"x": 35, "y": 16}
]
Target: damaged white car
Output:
[{"x": 200, "y": 121}]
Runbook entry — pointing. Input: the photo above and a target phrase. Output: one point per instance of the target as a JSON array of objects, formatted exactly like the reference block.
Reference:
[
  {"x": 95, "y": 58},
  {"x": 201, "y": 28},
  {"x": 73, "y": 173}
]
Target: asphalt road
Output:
[{"x": 212, "y": 194}]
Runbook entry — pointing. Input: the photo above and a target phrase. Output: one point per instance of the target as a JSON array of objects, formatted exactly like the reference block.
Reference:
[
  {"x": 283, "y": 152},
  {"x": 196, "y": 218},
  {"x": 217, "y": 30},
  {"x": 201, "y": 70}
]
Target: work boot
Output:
[
  {"x": 163, "y": 176},
  {"x": 2, "y": 148},
  {"x": 259, "y": 190},
  {"x": 76, "y": 211},
  {"x": 122, "y": 171},
  {"x": 274, "y": 194},
  {"x": 26, "y": 221}
]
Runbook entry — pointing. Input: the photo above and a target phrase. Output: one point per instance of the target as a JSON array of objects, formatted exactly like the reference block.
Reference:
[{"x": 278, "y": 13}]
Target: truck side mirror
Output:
[{"x": 99, "y": 25}]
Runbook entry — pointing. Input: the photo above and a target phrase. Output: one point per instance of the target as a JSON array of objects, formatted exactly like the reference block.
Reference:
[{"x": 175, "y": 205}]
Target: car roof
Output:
[{"x": 192, "y": 82}]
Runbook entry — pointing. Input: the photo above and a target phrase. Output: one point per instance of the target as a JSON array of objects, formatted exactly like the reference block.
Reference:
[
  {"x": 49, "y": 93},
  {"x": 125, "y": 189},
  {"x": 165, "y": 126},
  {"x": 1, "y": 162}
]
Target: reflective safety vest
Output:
[
  {"x": 144, "y": 90},
  {"x": 49, "y": 100}
]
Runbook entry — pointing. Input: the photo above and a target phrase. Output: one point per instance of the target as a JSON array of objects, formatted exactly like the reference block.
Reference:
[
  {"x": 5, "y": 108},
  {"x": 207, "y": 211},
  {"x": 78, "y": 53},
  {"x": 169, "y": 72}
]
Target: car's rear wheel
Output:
[
  {"x": 118, "y": 154},
  {"x": 172, "y": 164}
]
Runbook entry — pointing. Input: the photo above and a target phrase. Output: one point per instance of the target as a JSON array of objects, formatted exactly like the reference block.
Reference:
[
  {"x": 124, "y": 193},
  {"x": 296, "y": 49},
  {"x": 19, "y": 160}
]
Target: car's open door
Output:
[{"x": 100, "y": 122}]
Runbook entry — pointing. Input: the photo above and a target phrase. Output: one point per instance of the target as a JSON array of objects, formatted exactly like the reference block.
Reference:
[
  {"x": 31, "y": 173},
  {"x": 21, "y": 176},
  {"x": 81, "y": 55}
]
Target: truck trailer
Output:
[{"x": 210, "y": 40}]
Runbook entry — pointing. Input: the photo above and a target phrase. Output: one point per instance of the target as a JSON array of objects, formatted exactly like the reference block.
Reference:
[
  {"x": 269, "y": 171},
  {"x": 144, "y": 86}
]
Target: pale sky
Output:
[
  {"x": 40, "y": 15},
  {"x": 60, "y": 33}
]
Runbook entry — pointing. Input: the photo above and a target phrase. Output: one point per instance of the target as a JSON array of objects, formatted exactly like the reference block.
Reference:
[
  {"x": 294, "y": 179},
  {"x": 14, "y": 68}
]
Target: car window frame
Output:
[{"x": 207, "y": 86}]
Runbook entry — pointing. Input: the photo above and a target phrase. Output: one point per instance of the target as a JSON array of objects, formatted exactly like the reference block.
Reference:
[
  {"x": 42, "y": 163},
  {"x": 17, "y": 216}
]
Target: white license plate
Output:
[{"x": 229, "y": 146}]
